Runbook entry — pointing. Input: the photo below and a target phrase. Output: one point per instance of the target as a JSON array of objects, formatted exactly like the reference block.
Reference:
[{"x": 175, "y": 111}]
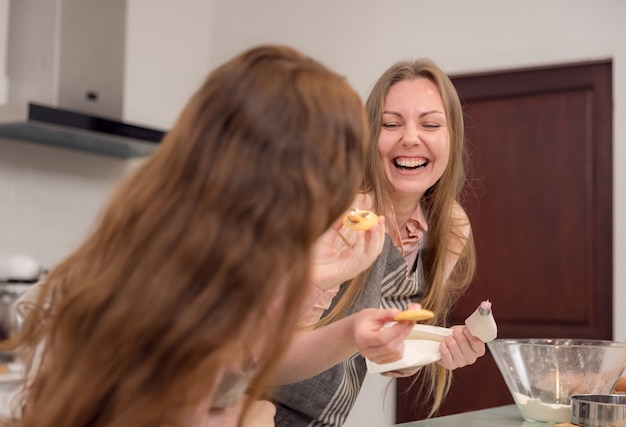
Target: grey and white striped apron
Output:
[{"x": 325, "y": 400}]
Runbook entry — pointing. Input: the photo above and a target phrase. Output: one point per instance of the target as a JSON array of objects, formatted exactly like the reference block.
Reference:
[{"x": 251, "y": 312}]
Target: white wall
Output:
[
  {"x": 4, "y": 33},
  {"x": 168, "y": 56},
  {"x": 172, "y": 45},
  {"x": 50, "y": 197}
]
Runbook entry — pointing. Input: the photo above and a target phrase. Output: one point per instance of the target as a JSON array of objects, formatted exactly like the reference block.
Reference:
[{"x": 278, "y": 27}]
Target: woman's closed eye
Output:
[
  {"x": 432, "y": 125},
  {"x": 391, "y": 125}
]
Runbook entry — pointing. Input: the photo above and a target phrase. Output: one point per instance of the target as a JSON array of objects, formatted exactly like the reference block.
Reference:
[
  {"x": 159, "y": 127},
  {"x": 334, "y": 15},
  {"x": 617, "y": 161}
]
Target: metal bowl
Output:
[{"x": 599, "y": 410}]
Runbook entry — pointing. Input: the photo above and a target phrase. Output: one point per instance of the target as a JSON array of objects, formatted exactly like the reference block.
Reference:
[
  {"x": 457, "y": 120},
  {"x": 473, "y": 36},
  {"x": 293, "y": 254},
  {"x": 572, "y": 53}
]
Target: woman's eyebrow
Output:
[{"x": 425, "y": 113}]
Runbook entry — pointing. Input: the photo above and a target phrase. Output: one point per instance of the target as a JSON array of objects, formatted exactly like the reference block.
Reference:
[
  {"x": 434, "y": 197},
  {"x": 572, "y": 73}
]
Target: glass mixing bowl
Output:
[{"x": 542, "y": 374}]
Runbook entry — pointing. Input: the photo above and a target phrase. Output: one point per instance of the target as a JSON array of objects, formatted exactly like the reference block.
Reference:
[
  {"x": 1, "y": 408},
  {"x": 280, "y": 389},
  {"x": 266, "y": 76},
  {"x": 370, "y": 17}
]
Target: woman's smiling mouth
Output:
[{"x": 410, "y": 163}]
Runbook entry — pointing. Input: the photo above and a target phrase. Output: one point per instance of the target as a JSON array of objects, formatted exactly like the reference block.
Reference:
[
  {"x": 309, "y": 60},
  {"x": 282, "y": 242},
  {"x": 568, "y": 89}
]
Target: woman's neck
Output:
[{"x": 404, "y": 206}]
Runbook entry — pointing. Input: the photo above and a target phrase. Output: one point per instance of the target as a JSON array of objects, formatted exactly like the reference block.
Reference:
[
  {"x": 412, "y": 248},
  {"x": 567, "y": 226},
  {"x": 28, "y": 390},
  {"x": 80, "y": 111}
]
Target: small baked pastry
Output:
[
  {"x": 415, "y": 315},
  {"x": 359, "y": 219}
]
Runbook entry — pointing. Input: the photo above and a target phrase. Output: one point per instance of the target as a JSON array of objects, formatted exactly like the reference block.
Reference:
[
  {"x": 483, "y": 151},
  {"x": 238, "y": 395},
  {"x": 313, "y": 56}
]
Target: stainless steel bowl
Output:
[{"x": 599, "y": 410}]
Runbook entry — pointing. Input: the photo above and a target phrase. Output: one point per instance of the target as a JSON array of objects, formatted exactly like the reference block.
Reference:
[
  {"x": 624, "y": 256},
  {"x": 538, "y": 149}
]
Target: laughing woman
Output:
[{"x": 414, "y": 177}]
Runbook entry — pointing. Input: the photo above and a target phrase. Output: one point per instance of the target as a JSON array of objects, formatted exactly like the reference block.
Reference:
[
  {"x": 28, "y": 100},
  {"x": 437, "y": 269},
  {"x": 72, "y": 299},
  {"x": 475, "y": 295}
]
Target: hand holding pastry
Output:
[
  {"x": 415, "y": 315},
  {"x": 334, "y": 264},
  {"x": 359, "y": 219}
]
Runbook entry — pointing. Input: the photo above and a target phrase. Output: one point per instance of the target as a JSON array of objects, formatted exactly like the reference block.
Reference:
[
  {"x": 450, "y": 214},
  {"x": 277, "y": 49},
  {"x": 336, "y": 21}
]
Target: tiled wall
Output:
[{"x": 50, "y": 197}]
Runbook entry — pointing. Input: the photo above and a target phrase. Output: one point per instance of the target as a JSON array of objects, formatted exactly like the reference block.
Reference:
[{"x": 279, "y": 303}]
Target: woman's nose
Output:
[{"x": 411, "y": 135}]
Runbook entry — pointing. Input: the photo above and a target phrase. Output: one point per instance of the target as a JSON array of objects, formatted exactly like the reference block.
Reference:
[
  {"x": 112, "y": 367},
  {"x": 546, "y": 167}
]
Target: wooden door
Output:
[{"x": 541, "y": 162}]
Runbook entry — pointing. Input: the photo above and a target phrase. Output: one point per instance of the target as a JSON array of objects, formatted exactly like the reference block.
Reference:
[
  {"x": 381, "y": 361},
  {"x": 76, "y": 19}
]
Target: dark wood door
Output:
[{"x": 541, "y": 142}]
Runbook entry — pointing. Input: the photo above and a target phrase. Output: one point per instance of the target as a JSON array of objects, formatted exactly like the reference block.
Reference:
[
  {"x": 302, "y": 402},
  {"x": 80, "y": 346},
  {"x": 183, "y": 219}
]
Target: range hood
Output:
[
  {"x": 70, "y": 129},
  {"x": 65, "y": 72}
]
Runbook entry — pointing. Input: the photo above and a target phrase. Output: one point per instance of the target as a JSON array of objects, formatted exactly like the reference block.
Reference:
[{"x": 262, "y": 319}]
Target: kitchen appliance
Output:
[
  {"x": 65, "y": 71},
  {"x": 17, "y": 274}
]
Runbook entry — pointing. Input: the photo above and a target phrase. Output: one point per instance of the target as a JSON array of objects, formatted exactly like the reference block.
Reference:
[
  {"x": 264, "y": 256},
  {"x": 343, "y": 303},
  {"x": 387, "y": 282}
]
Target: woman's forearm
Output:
[
  {"x": 312, "y": 352},
  {"x": 366, "y": 332}
]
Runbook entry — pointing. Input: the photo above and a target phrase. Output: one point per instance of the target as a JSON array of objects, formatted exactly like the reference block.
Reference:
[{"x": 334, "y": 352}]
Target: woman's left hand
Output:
[
  {"x": 334, "y": 263},
  {"x": 460, "y": 349}
]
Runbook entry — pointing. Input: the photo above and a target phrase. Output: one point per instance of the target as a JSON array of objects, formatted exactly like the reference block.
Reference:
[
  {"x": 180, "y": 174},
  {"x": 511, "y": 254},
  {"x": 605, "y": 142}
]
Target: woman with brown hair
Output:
[{"x": 200, "y": 260}]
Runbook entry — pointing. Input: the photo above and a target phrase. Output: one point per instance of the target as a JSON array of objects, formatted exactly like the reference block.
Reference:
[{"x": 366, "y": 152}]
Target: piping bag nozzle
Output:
[{"x": 482, "y": 324}]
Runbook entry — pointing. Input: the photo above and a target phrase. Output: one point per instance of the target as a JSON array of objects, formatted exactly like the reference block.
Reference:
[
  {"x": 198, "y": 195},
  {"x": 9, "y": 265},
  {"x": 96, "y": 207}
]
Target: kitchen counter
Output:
[{"x": 501, "y": 416}]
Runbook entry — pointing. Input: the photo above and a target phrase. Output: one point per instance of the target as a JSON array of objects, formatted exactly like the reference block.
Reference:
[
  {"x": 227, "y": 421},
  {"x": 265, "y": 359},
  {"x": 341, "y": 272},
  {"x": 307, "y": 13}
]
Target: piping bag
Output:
[
  {"x": 422, "y": 345},
  {"x": 482, "y": 324}
]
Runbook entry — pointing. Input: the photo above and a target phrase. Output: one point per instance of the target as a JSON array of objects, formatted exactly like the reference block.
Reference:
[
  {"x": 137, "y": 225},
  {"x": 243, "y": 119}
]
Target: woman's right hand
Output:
[
  {"x": 335, "y": 261},
  {"x": 377, "y": 338},
  {"x": 371, "y": 332}
]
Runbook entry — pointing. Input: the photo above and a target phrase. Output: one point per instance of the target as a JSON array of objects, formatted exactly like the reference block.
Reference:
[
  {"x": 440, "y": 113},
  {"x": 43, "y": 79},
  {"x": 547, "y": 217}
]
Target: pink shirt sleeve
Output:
[
  {"x": 316, "y": 303},
  {"x": 319, "y": 301}
]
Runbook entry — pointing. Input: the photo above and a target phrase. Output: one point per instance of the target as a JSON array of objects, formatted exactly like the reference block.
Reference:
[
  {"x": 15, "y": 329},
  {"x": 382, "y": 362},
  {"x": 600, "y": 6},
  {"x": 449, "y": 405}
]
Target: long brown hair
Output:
[{"x": 192, "y": 250}]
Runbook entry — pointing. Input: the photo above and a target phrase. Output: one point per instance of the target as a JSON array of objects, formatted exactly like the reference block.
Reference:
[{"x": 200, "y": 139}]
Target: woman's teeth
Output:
[{"x": 404, "y": 163}]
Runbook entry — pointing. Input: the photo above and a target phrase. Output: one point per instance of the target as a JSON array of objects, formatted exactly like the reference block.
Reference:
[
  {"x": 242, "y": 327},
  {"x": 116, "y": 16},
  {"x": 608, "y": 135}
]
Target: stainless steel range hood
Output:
[
  {"x": 65, "y": 68},
  {"x": 70, "y": 129}
]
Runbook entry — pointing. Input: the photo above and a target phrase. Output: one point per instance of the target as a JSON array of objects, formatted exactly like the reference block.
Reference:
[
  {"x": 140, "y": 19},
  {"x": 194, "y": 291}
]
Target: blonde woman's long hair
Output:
[
  {"x": 201, "y": 253},
  {"x": 444, "y": 229}
]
